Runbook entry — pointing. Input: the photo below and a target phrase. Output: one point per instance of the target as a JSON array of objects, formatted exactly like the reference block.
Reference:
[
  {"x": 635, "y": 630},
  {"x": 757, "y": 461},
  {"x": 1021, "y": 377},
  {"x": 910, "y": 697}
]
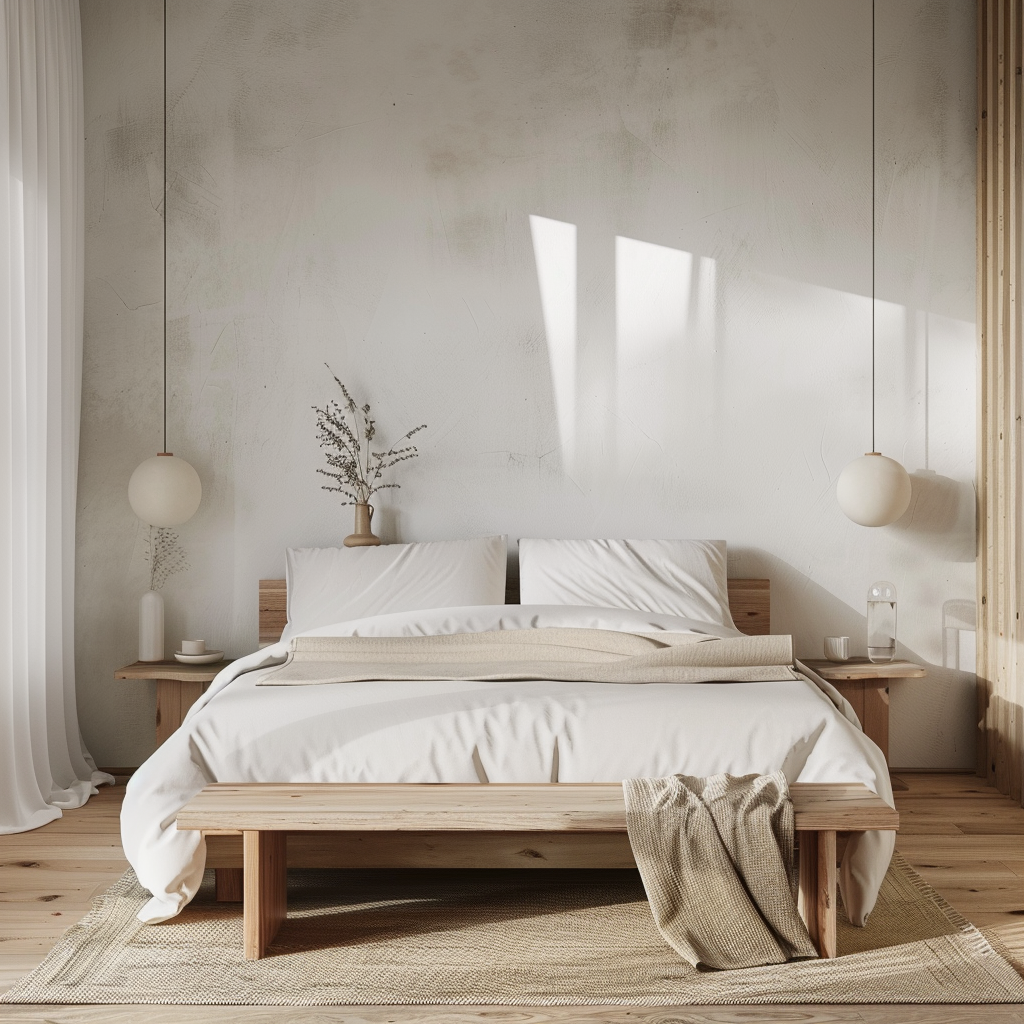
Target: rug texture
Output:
[{"x": 497, "y": 937}]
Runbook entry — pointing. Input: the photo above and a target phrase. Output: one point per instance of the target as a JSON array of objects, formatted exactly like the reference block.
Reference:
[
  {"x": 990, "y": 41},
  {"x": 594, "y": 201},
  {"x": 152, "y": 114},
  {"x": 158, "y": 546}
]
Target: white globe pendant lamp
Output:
[
  {"x": 165, "y": 490},
  {"x": 873, "y": 490}
]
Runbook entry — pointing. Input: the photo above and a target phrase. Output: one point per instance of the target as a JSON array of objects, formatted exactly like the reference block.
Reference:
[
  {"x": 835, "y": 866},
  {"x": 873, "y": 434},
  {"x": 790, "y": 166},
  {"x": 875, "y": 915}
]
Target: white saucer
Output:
[{"x": 200, "y": 659}]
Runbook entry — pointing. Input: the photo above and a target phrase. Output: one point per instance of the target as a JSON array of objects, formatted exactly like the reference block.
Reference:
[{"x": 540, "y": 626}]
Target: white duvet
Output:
[{"x": 532, "y": 731}]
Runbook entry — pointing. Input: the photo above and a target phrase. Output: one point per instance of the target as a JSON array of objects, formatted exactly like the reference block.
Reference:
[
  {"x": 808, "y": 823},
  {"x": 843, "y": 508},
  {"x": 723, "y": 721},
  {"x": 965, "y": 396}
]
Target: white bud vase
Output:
[{"x": 151, "y": 626}]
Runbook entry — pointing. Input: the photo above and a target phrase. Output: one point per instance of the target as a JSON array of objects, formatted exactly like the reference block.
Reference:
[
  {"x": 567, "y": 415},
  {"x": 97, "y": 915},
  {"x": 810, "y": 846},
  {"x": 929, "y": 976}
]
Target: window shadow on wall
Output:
[{"x": 798, "y": 380}]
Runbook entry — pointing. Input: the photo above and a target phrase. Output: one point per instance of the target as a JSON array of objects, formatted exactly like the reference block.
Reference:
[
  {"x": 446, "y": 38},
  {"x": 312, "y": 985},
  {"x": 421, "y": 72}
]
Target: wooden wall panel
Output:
[
  {"x": 1000, "y": 507},
  {"x": 273, "y": 610},
  {"x": 750, "y": 602}
]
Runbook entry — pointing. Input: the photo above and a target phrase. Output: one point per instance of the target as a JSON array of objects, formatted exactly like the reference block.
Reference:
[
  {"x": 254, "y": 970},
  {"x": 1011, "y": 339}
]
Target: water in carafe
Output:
[{"x": 881, "y": 622}]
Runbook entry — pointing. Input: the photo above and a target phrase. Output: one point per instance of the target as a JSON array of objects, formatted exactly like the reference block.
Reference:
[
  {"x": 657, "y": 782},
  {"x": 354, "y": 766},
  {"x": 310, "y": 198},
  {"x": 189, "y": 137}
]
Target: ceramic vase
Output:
[
  {"x": 151, "y": 626},
  {"x": 363, "y": 536}
]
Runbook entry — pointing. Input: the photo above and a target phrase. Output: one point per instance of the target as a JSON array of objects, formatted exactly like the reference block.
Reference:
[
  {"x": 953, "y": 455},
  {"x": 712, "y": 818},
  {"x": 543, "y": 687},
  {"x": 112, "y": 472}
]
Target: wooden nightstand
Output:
[
  {"x": 178, "y": 687},
  {"x": 865, "y": 685}
]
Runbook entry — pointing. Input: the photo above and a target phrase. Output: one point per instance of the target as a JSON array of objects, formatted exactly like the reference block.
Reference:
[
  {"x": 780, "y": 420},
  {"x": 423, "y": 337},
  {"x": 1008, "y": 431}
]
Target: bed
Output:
[{"x": 465, "y": 731}]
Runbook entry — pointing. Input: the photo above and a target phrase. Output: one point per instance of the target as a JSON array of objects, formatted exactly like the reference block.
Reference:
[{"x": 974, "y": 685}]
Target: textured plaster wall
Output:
[{"x": 616, "y": 253}]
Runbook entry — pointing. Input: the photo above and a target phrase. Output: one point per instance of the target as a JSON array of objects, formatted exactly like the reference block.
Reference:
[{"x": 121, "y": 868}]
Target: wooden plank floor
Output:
[{"x": 965, "y": 838}]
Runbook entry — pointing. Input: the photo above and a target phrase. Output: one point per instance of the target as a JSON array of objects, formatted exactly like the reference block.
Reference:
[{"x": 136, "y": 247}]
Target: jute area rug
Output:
[{"x": 497, "y": 937}]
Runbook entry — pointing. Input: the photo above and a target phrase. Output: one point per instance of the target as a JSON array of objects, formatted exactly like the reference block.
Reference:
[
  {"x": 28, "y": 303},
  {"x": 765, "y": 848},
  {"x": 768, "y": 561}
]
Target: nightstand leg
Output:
[
  {"x": 173, "y": 700},
  {"x": 870, "y": 700},
  {"x": 876, "y": 713}
]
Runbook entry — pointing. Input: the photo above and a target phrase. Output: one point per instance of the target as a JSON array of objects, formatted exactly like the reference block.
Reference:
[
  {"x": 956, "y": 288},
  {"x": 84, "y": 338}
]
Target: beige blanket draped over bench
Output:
[
  {"x": 716, "y": 856},
  {"x": 566, "y": 655}
]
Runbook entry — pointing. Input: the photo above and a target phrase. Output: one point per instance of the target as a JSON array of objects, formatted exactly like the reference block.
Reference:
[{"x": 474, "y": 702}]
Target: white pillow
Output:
[
  {"x": 327, "y": 585},
  {"x": 673, "y": 577}
]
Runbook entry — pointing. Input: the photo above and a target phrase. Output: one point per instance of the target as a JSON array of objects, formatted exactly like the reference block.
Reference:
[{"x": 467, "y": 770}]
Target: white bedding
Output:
[{"x": 524, "y": 731}]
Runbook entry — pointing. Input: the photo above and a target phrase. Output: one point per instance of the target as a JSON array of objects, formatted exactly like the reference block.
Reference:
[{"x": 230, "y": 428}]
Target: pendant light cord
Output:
[
  {"x": 165, "y": 225},
  {"x": 872, "y": 225}
]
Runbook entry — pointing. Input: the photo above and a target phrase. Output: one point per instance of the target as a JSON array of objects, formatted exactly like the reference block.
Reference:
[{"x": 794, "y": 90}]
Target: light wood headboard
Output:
[{"x": 749, "y": 601}]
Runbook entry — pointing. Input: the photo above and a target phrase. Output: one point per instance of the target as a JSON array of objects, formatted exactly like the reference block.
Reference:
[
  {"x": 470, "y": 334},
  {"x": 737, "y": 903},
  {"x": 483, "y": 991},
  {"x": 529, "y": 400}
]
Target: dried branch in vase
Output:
[
  {"x": 165, "y": 556},
  {"x": 354, "y": 466}
]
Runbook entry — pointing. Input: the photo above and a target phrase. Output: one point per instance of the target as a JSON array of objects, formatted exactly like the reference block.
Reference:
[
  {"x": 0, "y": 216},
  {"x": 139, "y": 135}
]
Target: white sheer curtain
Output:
[{"x": 43, "y": 764}]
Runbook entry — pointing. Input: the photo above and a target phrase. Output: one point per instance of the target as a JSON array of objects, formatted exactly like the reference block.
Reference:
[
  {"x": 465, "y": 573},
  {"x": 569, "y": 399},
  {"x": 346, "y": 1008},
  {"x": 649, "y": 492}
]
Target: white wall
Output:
[{"x": 615, "y": 254}]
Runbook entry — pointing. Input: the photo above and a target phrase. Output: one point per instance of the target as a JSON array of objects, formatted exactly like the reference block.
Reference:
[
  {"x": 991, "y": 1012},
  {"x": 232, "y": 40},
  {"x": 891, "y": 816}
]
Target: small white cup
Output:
[
  {"x": 193, "y": 646},
  {"x": 837, "y": 648}
]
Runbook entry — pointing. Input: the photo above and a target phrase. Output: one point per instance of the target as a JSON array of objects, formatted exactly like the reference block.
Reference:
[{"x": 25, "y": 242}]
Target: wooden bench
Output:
[{"x": 265, "y": 813}]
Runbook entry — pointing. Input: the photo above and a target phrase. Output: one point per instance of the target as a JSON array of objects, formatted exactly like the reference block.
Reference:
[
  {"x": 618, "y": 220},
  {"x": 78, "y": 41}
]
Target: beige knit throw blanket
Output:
[
  {"x": 570, "y": 655},
  {"x": 716, "y": 856}
]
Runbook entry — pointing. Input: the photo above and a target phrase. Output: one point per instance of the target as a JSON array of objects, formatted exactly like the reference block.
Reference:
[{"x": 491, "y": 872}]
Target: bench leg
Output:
[
  {"x": 265, "y": 903},
  {"x": 817, "y": 900},
  {"x": 826, "y": 910},
  {"x": 229, "y": 885}
]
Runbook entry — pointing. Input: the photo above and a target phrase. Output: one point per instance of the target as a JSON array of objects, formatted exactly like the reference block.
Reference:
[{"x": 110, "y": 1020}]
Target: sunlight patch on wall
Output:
[
  {"x": 680, "y": 385},
  {"x": 554, "y": 250},
  {"x": 665, "y": 302},
  {"x": 652, "y": 299},
  {"x": 664, "y": 342},
  {"x": 705, "y": 290}
]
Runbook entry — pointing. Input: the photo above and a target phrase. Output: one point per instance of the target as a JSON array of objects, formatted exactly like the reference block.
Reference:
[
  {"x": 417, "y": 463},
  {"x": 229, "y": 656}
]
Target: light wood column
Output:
[
  {"x": 825, "y": 904},
  {"x": 265, "y": 900},
  {"x": 816, "y": 899},
  {"x": 1000, "y": 506},
  {"x": 807, "y": 898}
]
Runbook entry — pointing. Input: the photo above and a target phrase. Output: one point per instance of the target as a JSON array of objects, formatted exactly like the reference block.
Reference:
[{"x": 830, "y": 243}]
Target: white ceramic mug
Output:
[
  {"x": 193, "y": 646},
  {"x": 837, "y": 648}
]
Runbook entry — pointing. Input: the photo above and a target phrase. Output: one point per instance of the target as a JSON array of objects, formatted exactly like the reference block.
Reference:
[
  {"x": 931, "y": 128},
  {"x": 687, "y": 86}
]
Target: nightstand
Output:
[
  {"x": 865, "y": 685},
  {"x": 178, "y": 687}
]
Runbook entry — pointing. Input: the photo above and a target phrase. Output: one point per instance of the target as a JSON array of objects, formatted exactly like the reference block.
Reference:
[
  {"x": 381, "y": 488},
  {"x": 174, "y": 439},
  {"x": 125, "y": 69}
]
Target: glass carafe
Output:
[{"x": 881, "y": 622}]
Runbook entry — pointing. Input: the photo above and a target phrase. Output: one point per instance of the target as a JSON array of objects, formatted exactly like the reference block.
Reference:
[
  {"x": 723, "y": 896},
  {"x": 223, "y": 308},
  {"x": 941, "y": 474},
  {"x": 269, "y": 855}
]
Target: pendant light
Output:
[
  {"x": 873, "y": 490},
  {"x": 165, "y": 490}
]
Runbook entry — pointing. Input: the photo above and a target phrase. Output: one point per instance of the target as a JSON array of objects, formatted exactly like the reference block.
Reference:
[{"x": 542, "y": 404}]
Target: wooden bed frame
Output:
[{"x": 254, "y": 832}]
